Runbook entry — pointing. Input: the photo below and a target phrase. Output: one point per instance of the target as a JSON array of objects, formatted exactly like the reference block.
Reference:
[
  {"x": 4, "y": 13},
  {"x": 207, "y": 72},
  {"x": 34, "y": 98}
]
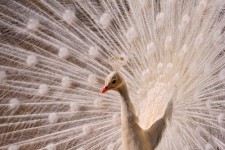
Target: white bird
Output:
[
  {"x": 54, "y": 57},
  {"x": 133, "y": 136}
]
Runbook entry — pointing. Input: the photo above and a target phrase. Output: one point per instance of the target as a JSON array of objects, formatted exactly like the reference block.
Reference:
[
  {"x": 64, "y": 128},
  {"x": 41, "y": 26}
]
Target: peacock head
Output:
[{"x": 112, "y": 82}]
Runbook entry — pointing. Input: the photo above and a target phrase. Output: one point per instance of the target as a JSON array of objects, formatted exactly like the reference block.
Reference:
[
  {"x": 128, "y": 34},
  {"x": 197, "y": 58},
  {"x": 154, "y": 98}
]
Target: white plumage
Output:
[
  {"x": 134, "y": 136},
  {"x": 55, "y": 55}
]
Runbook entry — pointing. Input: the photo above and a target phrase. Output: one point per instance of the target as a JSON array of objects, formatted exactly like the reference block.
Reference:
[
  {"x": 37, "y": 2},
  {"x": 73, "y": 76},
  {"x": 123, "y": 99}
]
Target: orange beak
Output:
[{"x": 104, "y": 89}]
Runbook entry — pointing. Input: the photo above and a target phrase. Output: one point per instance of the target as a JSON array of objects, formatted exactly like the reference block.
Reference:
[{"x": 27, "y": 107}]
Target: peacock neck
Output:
[
  {"x": 130, "y": 129},
  {"x": 124, "y": 92},
  {"x": 127, "y": 107}
]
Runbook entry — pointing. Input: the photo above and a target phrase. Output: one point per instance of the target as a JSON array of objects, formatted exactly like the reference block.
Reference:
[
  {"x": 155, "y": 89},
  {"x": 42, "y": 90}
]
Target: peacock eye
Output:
[{"x": 114, "y": 82}]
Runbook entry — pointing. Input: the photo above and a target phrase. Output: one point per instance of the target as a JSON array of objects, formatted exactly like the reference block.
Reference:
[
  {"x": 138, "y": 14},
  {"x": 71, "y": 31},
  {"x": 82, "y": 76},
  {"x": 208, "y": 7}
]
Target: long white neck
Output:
[
  {"x": 127, "y": 108},
  {"x": 131, "y": 132}
]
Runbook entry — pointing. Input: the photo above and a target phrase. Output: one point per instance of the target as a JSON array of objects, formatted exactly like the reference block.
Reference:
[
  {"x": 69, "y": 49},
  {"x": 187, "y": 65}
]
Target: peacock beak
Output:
[{"x": 104, "y": 89}]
